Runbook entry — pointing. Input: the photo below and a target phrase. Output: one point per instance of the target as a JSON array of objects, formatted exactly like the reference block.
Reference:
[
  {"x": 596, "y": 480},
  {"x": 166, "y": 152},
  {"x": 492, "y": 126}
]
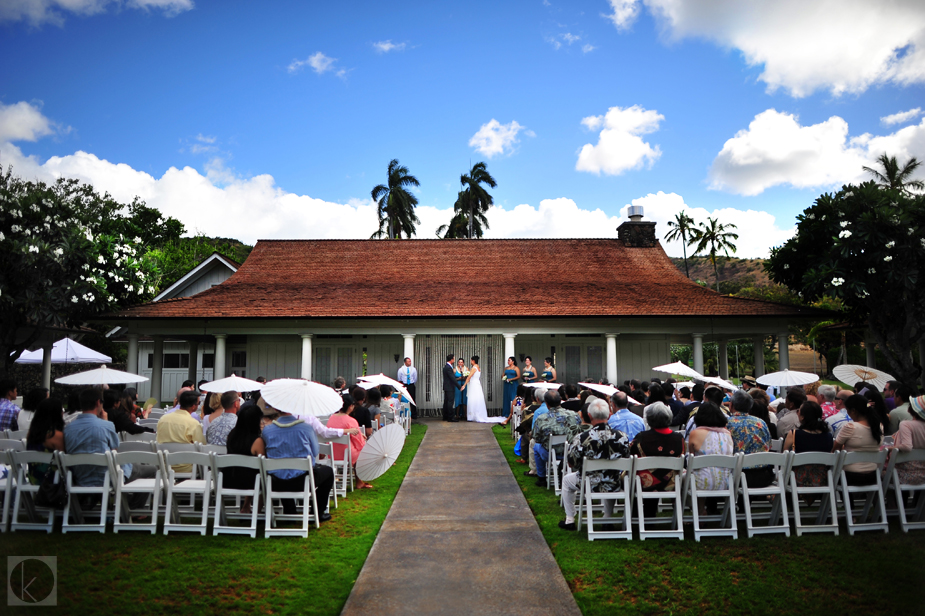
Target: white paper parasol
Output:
[
  {"x": 680, "y": 369},
  {"x": 65, "y": 351},
  {"x": 788, "y": 378},
  {"x": 231, "y": 383},
  {"x": 380, "y": 452},
  {"x": 851, "y": 374},
  {"x": 607, "y": 390},
  {"x": 101, "y": 376},
  {"x": 301, "y": 398},
  {"x": 544, "y": 385},
  {"x": 718, "y": 381},
  {"x": 381, "y": 379}
]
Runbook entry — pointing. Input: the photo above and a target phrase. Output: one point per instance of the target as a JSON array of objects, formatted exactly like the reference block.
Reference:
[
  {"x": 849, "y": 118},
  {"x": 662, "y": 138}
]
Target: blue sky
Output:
[{"x": 256, "y": 120}]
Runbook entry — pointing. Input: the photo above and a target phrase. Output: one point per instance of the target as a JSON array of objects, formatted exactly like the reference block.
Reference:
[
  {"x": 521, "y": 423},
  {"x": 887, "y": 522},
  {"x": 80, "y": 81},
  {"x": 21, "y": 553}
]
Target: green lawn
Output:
[
  {"x": 866, "y": 574},
  {"x": 133, "y": 573}
]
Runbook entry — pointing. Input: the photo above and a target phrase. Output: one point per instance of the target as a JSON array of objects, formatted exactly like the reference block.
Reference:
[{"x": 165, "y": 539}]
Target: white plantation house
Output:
[{"x": 602, "y": 308}]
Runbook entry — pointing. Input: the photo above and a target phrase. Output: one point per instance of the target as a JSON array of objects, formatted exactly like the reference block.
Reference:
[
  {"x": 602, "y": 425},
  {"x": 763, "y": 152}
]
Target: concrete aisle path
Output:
[{"x": 460, "y": 538}]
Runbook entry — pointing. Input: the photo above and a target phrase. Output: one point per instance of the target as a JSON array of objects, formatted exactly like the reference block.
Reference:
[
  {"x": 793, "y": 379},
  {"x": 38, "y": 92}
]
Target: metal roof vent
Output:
[{"x": 635, "y": 213}]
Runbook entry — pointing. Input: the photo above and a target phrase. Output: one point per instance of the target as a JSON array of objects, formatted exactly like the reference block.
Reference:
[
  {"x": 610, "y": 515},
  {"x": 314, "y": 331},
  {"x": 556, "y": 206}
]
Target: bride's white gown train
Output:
[{"x": 476, "y": 409}]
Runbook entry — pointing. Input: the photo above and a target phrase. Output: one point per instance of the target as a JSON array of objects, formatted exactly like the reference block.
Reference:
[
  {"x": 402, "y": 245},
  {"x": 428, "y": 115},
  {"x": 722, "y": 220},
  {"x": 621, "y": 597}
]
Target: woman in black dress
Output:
[{"x": 244, "y": 439}]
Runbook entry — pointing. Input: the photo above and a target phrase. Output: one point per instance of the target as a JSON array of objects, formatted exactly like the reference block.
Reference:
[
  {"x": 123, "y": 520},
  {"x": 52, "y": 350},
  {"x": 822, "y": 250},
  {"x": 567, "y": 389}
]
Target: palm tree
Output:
[
  {"x": 714, "y": 237},
  {"x": 682, "y": 227},
  {"x": 895, "y": 178},
  {"x": 396, "y": 205},
  {"x": 477, "y": 198},
  {"x": 458, "y": 226}
]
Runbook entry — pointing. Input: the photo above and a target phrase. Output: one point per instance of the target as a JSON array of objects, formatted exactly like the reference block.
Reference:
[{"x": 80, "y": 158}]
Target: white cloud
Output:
[
  {"x": 844, "y": 46},
  {"x": 38, "y": 12},
  {"x": 570, "y": 38},
  {"x": 494, "y": 138},
  {"x": 620, "y": 146},
  {"x": 902, "y": 117},
  {"x": 554, "y": 42},
  {"x": 387, "y": 46},
  {"x": 588, "y": 48},
  {"x": 318, "y": 62},
  {"x": 24, "y": 122},
  {"x": 758, "y": 230},
  {"x": 776, "y": 149}
]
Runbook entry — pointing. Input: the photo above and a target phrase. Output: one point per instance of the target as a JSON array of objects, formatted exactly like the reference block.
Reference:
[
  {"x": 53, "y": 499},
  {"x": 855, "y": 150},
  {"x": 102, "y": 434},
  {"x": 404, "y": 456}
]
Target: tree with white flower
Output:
[
  {"x": 58, "y": 257},
  {"x": 877, "y": 270}
]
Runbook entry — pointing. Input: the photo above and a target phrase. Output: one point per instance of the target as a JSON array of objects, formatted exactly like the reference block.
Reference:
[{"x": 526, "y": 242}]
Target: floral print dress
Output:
[{"x": 717, "y": 442}]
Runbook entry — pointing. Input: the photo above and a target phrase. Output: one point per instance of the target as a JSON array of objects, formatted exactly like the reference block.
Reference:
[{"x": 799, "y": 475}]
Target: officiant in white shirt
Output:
[{"x": 408, "y": 376}]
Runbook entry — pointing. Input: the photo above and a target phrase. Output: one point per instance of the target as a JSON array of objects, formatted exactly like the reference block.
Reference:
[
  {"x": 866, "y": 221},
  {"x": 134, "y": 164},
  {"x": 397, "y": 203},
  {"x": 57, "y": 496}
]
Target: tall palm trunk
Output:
[{"x": 687, "y": 269}]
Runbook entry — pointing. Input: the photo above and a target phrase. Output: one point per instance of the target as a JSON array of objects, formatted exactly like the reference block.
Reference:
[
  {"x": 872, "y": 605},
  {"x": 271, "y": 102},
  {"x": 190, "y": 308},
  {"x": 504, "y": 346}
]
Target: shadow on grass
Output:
[
  {"x": 134, "y": 573},
  {"x": 870, "y": 573}
]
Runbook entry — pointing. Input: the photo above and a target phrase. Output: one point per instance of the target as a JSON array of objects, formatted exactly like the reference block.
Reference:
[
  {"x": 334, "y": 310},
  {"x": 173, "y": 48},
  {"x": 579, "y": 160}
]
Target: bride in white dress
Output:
[{"x": 476, "y": 409}]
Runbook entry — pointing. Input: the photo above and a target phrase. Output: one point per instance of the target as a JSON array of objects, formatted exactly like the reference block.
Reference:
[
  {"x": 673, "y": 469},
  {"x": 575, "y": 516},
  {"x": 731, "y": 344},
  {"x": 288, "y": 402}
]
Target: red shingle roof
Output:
[{"x": 456, "y": 278}]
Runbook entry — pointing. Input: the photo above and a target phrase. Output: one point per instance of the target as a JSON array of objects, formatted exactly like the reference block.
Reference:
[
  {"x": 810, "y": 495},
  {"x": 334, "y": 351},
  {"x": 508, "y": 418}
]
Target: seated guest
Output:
[
  {"x": 9, "y": 411},
  {"x": 176, "y": 401},
  {"x": 875, "y": 400},
  {"x": 344, "y": 419},
  {"x": 840, "y": 418},
  {"x": 864, "y": 433},
  {"x": 292, "y": 437},
  {"x": 811, "y": 390},
  {"x": 671, "y": 398},
  {"x": 30, "y": 403},
  {"x": 691, "y": 407},
  {"x": 658, "y": 441},
  {"x": 711, "y": 394},
  {"x": 760, "y": 410},
  {"x": 210, "y": 411},
  {"x": 123, "y": 420},
  {"x": 221, "y": 426},
  {"x": 684, "y": 395},
  {"x": 556, "y": 421},
  {"x": 909, "y": 436},
  {"x": 826, "y": 395},
  {"x": 92, "y": 433},
  {"x": 623, "y": 420},
  {"x": 787, "y": 416},
  {"x": 749, "y": 435},
  {"x": 598, "y": 443},
  {"x": 244, "y": 440},
  {"x": 360, "y": 412},
  {"x": 571, "y": 401},
  {"x": 710, "y": 437},
  {"x": 889, "y": 394},
  {"x": 180, "y": 427},
  {"x": 901, "y": 397},
  {"x": 373, "y": 400},
  {"x": 340, "y": 385},
  {"x": 46, "y": 434},
  {"x": 813, "y": 434}
]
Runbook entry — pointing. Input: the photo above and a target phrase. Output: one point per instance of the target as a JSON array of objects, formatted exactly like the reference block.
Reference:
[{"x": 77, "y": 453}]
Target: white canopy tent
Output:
[{"x": 65, "y": 351}]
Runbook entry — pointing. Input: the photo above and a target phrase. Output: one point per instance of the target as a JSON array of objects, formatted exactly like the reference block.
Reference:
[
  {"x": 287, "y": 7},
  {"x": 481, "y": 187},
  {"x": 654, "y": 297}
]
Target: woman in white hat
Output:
[{"x": 911, "y": 435}]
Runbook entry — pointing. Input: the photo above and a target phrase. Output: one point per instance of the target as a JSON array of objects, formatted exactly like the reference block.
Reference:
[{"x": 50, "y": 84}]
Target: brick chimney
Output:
[{"x": 636, "y": 232}]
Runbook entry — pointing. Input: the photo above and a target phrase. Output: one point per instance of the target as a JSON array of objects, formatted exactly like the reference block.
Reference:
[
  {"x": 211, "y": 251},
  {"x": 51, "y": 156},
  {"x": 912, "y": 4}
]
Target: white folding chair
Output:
[
  {"x": 148, "y": 423},
  {"x": 155, "y": 414},
  {"x": 776, "y": 445},
  {"x": 552, "y": 462},
  {"x": 917, "y": 489},
  {"x": 26, "y": 491},
  {"x": 144, "y": 437},
  {"x": 123, "y": 490},
  {"x": 127, "y": 446},
  {"x": 12, "y": 444},
  {"x": 676, "y": 496},
  {"x": 343, "y": 469},
  {"x": 219, "y": 450},
  {"x": 622, "y": 499},
  {"x": 326, "y": 449},
  {"x": 201, "y": 488},
  {"x": 16, "y": 435},
  {"x": 309, "y": 501},
  {"x": 727, "y": 519},
  {"x": 777, "y": 519},
  {"x": 6, "y": 486},
  {"x": 873, "y": 494},
  {"x": 25, "y": 419},
  {"x": 67, "y": 462},
  {"x": 826, "y": 493},
  {"x": 220, "y": 523}
]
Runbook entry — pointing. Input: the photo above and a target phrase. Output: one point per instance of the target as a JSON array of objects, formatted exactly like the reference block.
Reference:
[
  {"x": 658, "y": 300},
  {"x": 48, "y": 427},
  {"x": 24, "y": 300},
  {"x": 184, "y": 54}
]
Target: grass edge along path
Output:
[
  {"x": 870, "y": 573},
  {"x": 137, "y": 573}
]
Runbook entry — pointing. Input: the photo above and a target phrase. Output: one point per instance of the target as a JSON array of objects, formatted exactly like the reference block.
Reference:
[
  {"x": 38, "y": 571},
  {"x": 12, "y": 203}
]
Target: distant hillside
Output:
[{"x": 734, "y": 273}]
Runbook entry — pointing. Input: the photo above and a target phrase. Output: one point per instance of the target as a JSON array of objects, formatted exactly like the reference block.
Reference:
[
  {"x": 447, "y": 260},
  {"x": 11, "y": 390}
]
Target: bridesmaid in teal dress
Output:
[
  {"x": 549, "y": 371},
  {"x": 511, "y": 376},
  {"x": 529, "y": 373},
  {"x": 461, "y": 395}
]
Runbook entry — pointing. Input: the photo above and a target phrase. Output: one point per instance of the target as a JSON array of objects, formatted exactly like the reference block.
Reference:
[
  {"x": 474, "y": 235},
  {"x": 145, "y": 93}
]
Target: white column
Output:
[
  {"x": 306, "y": 356},
  {"x": 193, "y": 371},
  {"x": 157, "y": 369},
  {"x": 409, "y": 347},
  {"x": 611, "y": 358},
  {"x": 723, "y": 359},
  {"x": 783, "y": 351},
  {"x": 46, "y": 364},
  {"x": 871, "y": 347},
  {"x": 131, "y": 363},
  {"x": 509, "y": 347},
  {"x": 218, "y": 372},
  {"x": 698, "y": 352},
  {"x": 758, "y": 343}
]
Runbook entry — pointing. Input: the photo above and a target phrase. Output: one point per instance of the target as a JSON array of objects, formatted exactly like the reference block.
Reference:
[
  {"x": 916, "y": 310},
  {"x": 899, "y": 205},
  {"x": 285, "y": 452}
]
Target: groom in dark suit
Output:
[{"x": 450, "y": 385}]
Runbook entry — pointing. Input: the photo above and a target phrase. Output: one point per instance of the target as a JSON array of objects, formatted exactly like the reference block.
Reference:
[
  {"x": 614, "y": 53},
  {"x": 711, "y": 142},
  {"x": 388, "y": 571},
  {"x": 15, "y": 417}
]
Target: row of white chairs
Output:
[
  {"x": 209, "y": 498},
  {"x": 837, "y": 499}
]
